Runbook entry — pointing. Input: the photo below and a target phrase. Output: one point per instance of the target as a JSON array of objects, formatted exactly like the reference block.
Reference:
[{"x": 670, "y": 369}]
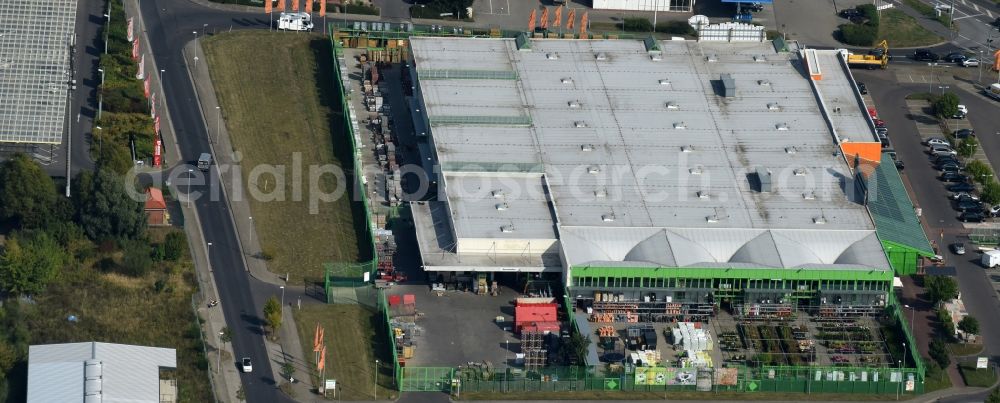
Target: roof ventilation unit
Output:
[
  {"x": 763, "y": 179},
  {"x": 552, "y": 56},
  {"x": 580, "y": 124},
  {"x": 799, "y": 172},
  {"x": 697, "y": 170},
  {"x": 759, "y": 58},
  {"x": 680, "y": 125},
  {"x": 763, "y": 83},
  {"x": 574, "y": 104},
  {"x": 608, "y": 217},
  {"x": 712, "y": 58},
  {"x": 728, "y": 86},
  {"x": 498, "y": 194},
  {"x": 809, "y": 196},
  {"x": 819, "y": 220},
  {"x": 781, "y": 126},
  {"x": 567, "y": 80},
  {"x": 664, "y": 82},
  {"x": 600, "y": 193},
  {"x": 773, "y": 106},
  {"x": 502, "y": 206},
  {"x": 601, "y": 56},
  {"x": 703, "y": 194},
  {"x": 655, "y": 56},
  {"x": 507, "y": 228},
  {"x": 712, "y": 218},
  {"x": 791, "y": 150},
  {"x": 687, "y": 149},
  {"x": 672, "y": 105},
  {"x": 593, "y": 170},
  {"x": 587, "y": 147}
]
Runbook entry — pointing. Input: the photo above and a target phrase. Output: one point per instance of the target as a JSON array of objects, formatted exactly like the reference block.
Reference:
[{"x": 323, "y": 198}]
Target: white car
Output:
[
  {"x": 962, "y": 111},
  {"x": 970, "y": 62},
  {"x": 959, "y": 195},
  {"x": 937, "y": 141},
  {"x": 246, "y": 365}
]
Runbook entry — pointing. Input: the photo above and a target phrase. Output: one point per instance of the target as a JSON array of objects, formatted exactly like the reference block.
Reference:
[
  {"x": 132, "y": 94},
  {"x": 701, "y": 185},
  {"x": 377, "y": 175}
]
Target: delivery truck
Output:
[
  {"x": 295, "y": 22},
  {"x": 993, "y": 91},
  {"x": 991, "y": 259},
  {"x": 204, "y": 161}
]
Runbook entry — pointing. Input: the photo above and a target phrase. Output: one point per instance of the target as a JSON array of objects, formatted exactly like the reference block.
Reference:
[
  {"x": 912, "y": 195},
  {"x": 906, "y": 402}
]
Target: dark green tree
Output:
[
  {"x": 574, "y": 350},
  {"x": 991, "y": 192},
  {"x": 27, "y": 195},
  {"x": 969, "y": 325},
  {"x": 940, "y": 288},
  {"x": 109, "y": 211},
  {"x": 939, "y": 352},
  {"x": 28, "y": 261},
  {"x": 994, "y": 396},
  {"x": 174, "y": 245},
  {"x": 272, "y": 313},
  {"x": 967, "y": 147},
  {"x": 137, "y": 260},
  {"x": 946, "y": 105}
]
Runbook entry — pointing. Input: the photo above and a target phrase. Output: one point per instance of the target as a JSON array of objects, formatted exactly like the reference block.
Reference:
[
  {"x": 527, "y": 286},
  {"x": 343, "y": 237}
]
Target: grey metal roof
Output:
[
  {"x": 34, "y": 69},
  {"x": 126, "y": 373},
  {"x": 626, "y": 141}
]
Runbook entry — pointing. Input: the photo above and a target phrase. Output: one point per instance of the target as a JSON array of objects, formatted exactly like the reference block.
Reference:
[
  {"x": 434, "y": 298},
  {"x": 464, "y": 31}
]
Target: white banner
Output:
[
  {"x": 131, "y": 28},
  {"x": 139, "y": 75},
  {"x": 152, "y": 105}
]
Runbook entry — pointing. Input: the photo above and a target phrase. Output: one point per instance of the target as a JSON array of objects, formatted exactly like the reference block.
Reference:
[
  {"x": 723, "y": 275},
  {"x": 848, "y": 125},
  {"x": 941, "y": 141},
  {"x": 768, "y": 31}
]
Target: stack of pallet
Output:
[{"x": 533, "y": 348}]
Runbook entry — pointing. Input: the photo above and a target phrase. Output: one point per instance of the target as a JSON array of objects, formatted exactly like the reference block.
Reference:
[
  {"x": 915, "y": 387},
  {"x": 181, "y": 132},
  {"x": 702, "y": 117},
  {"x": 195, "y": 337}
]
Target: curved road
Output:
[{"x": 170, "y": 25}]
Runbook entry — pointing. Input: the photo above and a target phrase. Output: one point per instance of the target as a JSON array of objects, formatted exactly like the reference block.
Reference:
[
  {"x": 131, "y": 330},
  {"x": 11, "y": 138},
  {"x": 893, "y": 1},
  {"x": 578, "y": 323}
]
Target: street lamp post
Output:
[
  {"x": 218, "y": 123},
  {"x": 375, "y": 385},
  {"x": 107, "y": 29},
  {"x": 195, "y": 33},
  {"x": 251, "y": 229},
  {"x": 100, "y": 95},
  {"x": 912, "y": 316},
  {"x": 188, "y": 195},
  {"x": 942, "y": 88},
  {"x": 100, "y": 140},
  {"x": 282, "y": 295},
  {"x": 208, "y": 256}
]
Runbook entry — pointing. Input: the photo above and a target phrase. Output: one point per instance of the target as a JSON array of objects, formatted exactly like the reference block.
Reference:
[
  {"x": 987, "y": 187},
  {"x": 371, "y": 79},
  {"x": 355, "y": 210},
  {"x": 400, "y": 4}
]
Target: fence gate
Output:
[{"x": 426, "y": 379}]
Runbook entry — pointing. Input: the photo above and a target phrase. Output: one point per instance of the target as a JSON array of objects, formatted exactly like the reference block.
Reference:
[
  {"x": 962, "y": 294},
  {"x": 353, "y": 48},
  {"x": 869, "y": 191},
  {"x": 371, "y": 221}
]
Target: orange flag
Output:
[
  {"x": 558, "y": 21},
  {"x": 570, "y": 18},
  {"x": 322, "y": 8},
  {"x": 583, "y": 24},
  {"x": 996, "y": 60},
  {"x": 267, "y": 6},
  {"x": 295, "y": 5},
  {"x": 281, "y": 5},
  {"x": 545, "y": 18},
  {"x": 309, "y": 6},
  {"x": 322, "y": 360},
  {"x": 531, "y": 21},
  {"x": 316, "y": 339}
]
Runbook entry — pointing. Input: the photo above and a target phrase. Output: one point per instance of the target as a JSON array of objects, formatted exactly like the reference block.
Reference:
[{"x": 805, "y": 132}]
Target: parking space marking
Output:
[
  {"x": 989, "y": 14},
  {"x": 974, "y": 6}
]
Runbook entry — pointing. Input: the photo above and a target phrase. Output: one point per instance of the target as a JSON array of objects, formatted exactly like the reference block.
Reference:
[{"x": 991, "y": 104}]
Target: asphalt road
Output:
[
  {"x": 978, "y": 293},
  {"x": 170, "y": 24},
  {"x": 83, "y": 104}
]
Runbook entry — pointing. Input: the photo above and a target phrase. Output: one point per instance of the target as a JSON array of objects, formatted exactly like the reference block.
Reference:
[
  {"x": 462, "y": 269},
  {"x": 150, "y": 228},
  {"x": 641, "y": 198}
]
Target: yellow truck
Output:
[{"x": 878, "y": 57}]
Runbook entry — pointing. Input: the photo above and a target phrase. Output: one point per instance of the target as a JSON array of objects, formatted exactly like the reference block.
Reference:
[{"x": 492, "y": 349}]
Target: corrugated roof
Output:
[
  {"x": 128, "y": 373},
  {"x": 893, "y": 212}
]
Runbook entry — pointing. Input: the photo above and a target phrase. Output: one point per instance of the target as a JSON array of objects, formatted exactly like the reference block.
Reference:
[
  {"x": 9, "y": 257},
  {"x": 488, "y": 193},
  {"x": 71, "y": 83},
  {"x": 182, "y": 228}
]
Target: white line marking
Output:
[
  {"x": 967, "y": 16},
  {"x": 975, "y": 7},
  {"x": 989, "y": 14}
]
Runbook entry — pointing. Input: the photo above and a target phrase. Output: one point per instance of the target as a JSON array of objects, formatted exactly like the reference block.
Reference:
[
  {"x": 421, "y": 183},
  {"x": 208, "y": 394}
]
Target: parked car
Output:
[
  {"x": 878, "y": 122},
  {"x": 937, "y": 141},
  {"x": 969, "y": 63},
  {"x": 955, "y": 57},
  {"x": 995, "y": 211},
  {"x": 958, "y": 248},
  {"x": 961, "y": 187},
  {"x": 942, "y": 151},
  {"x": 246, "y": 365},
  {"x": 953, "y": 177},
  {"x": 942, "y": 160},
  {"x": 925, "y": 55},
  {"x": 969, "y": 205},
  {"x": 881, "y": 131},
  {"x": 849, "y": 13},
  {"x": 899, "y": 165},
  {"x": 962, "y": 111},
  {"x": 950, "y": 168},
  {"x": 964, "y": 133},
  {"x": 862, "y": 88},
  {"x": 972, "y": 216},
  {"x": 964, "y": 195}
]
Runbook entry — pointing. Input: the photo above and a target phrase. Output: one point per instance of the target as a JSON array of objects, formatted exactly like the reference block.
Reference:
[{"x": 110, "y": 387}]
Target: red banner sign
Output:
[
  {"x": 156, "y": 125},
  {"x": 131, "y": 29},
  {"x": 135, "y": 49},
  {"x": 152, "y": 105},
  {"x": 141, "y": 72},
  {"x": 157, "y": 153},
  {"x": 145, "y": 87}
]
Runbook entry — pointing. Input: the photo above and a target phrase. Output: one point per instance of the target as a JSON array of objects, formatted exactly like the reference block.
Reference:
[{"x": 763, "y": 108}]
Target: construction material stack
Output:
[
  {"x": 695, "y": 341},
  {"x": 403, "y": 310},
  {"x": 533, "y": 349}
]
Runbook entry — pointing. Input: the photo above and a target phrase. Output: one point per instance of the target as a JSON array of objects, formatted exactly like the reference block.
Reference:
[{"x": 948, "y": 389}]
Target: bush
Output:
[
  {"x": 967, "y": 147},
  {"x": 858, "y": 34},
  {"x": 174, "y": 245},
  {"x": 939, "y": 352},
  {"x": 360, "y": 8},
  {"x": 947, "y": 326},
  {"x": 137, "y": 260},
  {"x": 870, "y": 13},
  {"x": 991, "y": 193},
  {"x": 637, "y": 25},
  {"x": 946, "y": 106},
  {"x": 969, "y": 325},
  {"x": 676, "y": 28}
]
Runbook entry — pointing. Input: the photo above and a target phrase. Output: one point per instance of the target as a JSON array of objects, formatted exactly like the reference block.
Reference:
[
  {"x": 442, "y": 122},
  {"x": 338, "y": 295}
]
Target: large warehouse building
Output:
[{"x": 689, "y": 172}]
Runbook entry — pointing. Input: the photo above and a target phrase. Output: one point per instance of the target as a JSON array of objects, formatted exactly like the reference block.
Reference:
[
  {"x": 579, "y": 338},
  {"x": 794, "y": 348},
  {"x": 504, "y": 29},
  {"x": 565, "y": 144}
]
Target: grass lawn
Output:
[
  {"x": 278, "y": 101},
  {"x": 355, "y": 337},
  {"x": 982, "y": 378},
  {"x": 118, "y": 309},
  {"x": 936, "y": 380},
  {"x": 901, "y": 30},
  {"x": 672, "y": 395},
  {"x": 962, "y": 349}
]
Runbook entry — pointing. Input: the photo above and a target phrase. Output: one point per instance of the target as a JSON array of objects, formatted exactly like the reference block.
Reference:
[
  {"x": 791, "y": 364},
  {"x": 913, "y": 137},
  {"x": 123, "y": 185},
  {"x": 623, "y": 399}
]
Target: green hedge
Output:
[{"x": 858, "y": 34}]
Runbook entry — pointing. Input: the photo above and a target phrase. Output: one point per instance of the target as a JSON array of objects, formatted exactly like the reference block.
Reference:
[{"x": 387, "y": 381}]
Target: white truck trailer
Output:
[
  {"x": 993, "y": 91},
  {"x": 296, "y": 21},
  {"x": 991, "y": 259}
]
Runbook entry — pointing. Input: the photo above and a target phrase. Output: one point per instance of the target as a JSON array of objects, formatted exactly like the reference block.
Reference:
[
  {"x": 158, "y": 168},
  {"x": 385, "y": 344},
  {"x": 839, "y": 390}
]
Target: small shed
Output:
[
  {"x": 156, "y": 207},
  {"x": 537, "y": 317}
]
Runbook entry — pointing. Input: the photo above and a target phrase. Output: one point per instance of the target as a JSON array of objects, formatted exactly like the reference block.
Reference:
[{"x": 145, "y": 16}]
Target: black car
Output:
[
  {"x": 849, "y": 13},
  {"x": 955, "y": 57},
  {"x": 953, "y": 177},
  {"x": 943, "y": 159},
  {"x": 969, "y": 205},
  {"x": 862, "y": 88},
  {"x": 925, "y": 55},
  {"x": 899, "y": 165},
  {"x": 964, "y": 133},
  {"x": 950, "y": 168},
  {"x": 965, "y": 197},
  {"x": 970, "y": 216},
  {"x": 961, "y": 187}
]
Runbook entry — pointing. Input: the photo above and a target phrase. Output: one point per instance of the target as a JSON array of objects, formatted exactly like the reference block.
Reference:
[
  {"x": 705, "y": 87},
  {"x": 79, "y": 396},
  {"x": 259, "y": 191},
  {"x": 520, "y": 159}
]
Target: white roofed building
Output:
[{"x": 95, "y": 372}]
